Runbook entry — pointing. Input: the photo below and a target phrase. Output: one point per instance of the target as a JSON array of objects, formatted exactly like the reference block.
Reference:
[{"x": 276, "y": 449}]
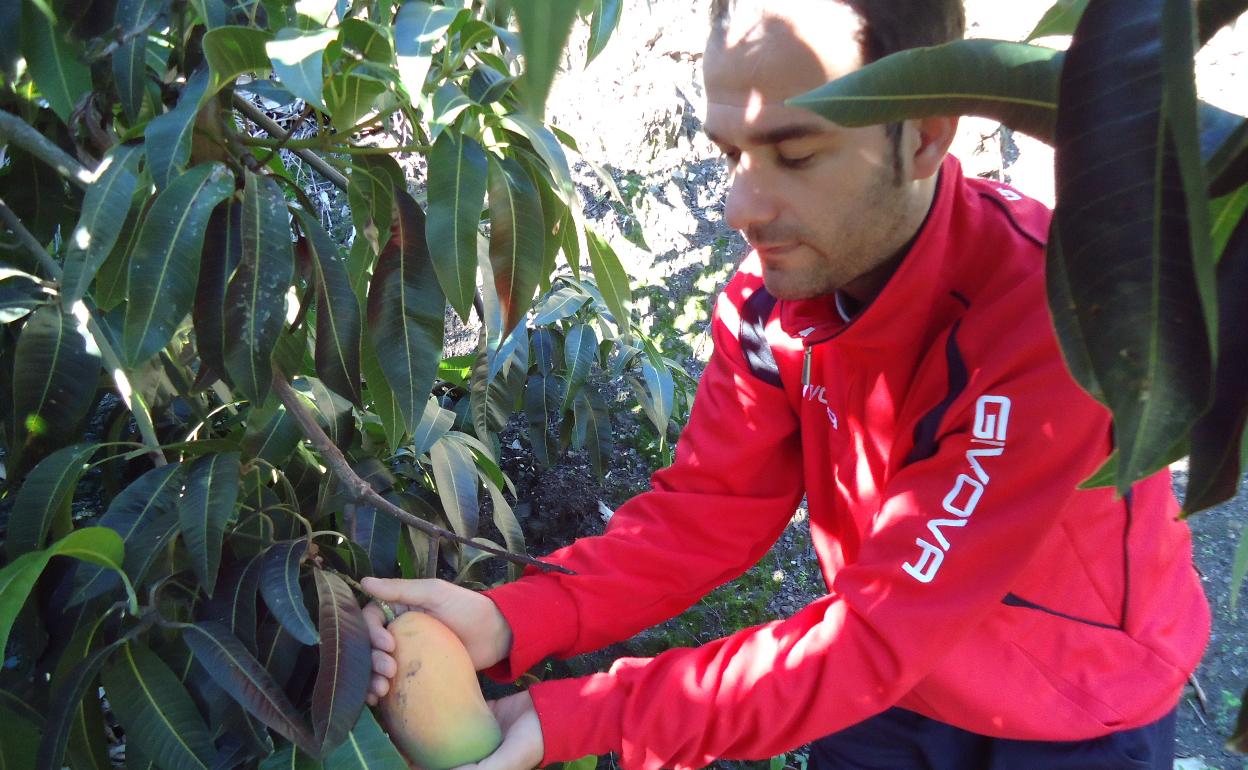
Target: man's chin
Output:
[{"x": 792, "y": 287}]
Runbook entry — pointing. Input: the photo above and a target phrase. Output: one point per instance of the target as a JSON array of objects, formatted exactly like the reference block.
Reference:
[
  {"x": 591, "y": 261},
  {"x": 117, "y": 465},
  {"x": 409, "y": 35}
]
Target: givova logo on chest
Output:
[{"x": 992, "y": 417}]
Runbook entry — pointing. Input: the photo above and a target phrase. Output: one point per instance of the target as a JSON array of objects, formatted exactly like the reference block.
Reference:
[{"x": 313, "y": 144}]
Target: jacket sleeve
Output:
[
  {"x": 860, "y": 649},
  {"x": 735, "y": 483}
]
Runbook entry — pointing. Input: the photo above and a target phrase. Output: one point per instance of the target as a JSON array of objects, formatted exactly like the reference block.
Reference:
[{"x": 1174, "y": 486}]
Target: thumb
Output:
[{"x": 415, "y": 593}]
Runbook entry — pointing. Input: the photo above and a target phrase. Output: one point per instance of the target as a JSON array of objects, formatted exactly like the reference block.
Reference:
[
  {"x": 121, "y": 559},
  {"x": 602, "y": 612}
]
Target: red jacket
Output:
[{"x": 939, "y": 440}]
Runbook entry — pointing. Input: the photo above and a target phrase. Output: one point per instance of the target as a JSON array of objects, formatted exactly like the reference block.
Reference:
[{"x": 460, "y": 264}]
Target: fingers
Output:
[
  {"x": 375, "y": 619},
  {"x": 377, "y": 689}
]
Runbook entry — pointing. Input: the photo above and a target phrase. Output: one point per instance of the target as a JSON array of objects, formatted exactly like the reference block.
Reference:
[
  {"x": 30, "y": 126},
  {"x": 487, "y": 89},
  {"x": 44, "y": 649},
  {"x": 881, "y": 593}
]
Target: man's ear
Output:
[{"x": 934, "y": 135}]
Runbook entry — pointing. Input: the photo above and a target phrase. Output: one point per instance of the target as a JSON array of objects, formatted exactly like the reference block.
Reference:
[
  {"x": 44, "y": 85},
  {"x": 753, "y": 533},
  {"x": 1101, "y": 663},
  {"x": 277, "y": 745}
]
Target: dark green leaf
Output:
[
  {"x": 456, "y": 479},
  {"x": 87, "y": 740},
  {"x": 406, "y": 312},
  {"x": 593, "y": 429},
  {"x": 1215, "y": 467},
  {"x": 271, "y": 435},
  {"x": 332, "y": 411},
  {"x": 550, "y": 150},
  {"x": 223, "y": 250},
  {"x": 544, "y": 29},
  {"x": 1133, "y": 265},
  {"x": 55, "y": 63},
  {"x": 10, "y": 39},
  {"x": 104, "y": 212},
  {"x": 602, "y": 25},
  {"x": 338, "y": 321},
  {"x": 366, "y": 39},
  {"x": 370, "y": 191},
  {"x": 1014, "y": 83},
  {"x": 142, "y": 514},
  {"x": 291, "y": 758},
  {"x": 163, "y": 267},
  {"x": 234, "y": 51},
  {"x": 516, "y": 239},
  {"x": 233, "y": 602},
  {"x": 542, "y": 399},
  {"x": 155, "y": 710},
  {"x": 458, "y": 177},
  {"x": 345, "y": 664},
  {"x": 20, "y": 293},
  {"x": 297, "y": 57},
  {"x": 241, "y": 675},
  {"x": 559, "y": 305},
  {"x": 42, "y": 504},
  {"x": 367, "y": 747},
  {"x": 350, "y": 98},
  {"x": 417, "y": 29},
  {"x": 546, "y": 349},
  {"x": 1061, "y": 19},
  {"x": 19, "y": 741},
  {"x": 55, "y": 369},
  {"x": 129, "y": 60},
  {"x": 279, "y": 584},
  {"x": 487, "y": 85},
  {"x": 168, "y": 136},
  {"x": 579, "y": 353},
  {"x": 383, "y": 402},
  {"x": 611, "y": 278},
  {"x": 434, "y": 424},
  {"x": 205, "y": 507},
  {"x": 255, "y": 301}
]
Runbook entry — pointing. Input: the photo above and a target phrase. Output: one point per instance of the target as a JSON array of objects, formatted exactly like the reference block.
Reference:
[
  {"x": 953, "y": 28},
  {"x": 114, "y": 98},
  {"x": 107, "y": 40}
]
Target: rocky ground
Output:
[{"x": 636, "y": 113}]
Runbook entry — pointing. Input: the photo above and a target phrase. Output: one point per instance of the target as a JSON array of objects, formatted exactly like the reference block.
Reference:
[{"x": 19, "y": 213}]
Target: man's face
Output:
[{"x": 821, "y": 204}]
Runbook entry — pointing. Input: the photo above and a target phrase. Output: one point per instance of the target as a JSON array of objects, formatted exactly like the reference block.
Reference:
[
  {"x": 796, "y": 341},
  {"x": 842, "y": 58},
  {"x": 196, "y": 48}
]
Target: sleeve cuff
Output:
[
  {"x": 578, "y": 716},
  {"x": 543, "y": 621}
]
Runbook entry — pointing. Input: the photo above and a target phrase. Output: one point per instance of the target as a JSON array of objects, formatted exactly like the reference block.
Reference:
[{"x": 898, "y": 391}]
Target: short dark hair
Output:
[{"x": 888, "y": 26}]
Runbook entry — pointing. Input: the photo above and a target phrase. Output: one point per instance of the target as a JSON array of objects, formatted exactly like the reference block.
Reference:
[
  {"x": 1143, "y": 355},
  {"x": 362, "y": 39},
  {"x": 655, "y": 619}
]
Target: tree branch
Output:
[
  {"x": 22, "y": 134},
  {"x": 361, "y": 491},
  {"x": 257, "y": 116}
]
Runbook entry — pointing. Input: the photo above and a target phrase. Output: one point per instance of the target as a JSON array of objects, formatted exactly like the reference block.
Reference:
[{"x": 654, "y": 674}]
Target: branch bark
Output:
[
  {"x": 257, "y": 116},
  {"x": 22, "y": 134},
  {"x": 361, "y": 491}
]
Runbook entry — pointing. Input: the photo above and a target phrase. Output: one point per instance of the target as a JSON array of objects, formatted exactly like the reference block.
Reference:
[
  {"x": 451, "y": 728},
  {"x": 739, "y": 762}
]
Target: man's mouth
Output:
[{"x": 772, "y": 251}]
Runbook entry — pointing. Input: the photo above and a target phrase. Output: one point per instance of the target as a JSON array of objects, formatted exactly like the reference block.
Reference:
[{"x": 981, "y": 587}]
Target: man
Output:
[{"x": 887, "y": 351}]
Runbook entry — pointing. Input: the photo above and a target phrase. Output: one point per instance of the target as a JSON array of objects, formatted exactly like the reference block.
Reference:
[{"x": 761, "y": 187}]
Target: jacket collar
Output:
[{"x": 907, "y": 296}]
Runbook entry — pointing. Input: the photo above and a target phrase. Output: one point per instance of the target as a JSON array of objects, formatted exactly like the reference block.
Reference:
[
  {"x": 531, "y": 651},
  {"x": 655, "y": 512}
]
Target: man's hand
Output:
[
  {"x": 522, "y": 747},
  {"x": 472, "y": 616}
]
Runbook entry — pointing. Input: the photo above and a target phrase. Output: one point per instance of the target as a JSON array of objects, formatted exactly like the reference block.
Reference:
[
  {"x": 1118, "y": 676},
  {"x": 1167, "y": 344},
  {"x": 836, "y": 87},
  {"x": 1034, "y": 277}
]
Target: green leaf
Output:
[
  {"x": 298, "y": 61},
  {"x": 516, "y": 239},
  {"x": 1215, "y": 467},
  {"x": 20, "y": 293},
  {"x": 279, "y": 585},
  {"x": 1014, "y": 83},
  {"x": 550, "y": 151},
  {"x": 19, "y": 741},
  {"x": 544, "y": 29},
  {"x": 222, "y": 252},
  {"x": 238, "y": 672},
  {"x": 559, "y": 305},
  {"x": 611, "y": 278},
  {"x": 94, "y": 545},
  {"x": 487, "y": 85},
  {"x": 434, "y": 424},
  {"x": 42, "y": 504},
  {"x": 345, "y": 664},
  {"x": 56, "y": 366},
  {"x": 366, "y": 39},
  {"x": 129, "y": 60},
  {"x": 1132, "y": 230},
  {"x": 456, "y": 479},
  {"x": 233, "y": 602},
  {"x": 233, "y": 51},
  {"x": 1061, "y": 19},
  {"x": 104, "y": 212},
  {"x": 83, "y": 726},
  {"x": 167, "y": 139},
  {"x": 580, "y": 351},
  {"x": 351, "y": 97},
  {"x": 55, "y": 64},
  {"x": 145, "y": 516},
  {"x": 370, "y": 191},
  {"x": 205, "y": 507},
  {"x": 406, "y": 312},
  {"x": 449, "y": 102},
  {"x": 366, "y": 747},
  {"x": 383, "y": 403},
  {"x": 602, "y": 25},
  {"x": 271, "y": 435},
  {"x": 163, "y": 267},
  {"x": 155, "y": 709},
  {"x": 417, "y": 29},
  {"x": 338, "y": 321},
  {"x": 593, "y": 429},
  {"x": 458, "y": 178},
  {"x": 377, "y": 533},
  {"x": 506, "y": 522},
  {"x": 542, "y": 399},
  {"x": 256, "y": 298},
  {"x": 291, "y": 758}
]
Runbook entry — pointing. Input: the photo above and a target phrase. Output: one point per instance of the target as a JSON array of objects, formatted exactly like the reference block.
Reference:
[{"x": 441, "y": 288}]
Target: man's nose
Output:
[{"x": 750, "y": 201}]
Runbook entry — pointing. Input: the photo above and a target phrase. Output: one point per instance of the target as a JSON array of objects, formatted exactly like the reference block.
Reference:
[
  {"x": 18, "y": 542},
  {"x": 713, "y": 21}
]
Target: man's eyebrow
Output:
[{"x": 774, "y": 135}]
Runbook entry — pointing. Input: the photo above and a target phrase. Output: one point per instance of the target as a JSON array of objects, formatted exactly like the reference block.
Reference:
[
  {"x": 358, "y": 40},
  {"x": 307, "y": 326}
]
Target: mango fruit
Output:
[{"x": 434, "y": 712}]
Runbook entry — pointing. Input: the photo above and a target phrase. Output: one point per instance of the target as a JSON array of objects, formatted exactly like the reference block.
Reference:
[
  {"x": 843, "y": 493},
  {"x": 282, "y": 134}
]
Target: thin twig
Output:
[
  {"x": 361, "y": 491},
  {"x": 112, "y": 362},
  {"x": 257, "y": 116},
  {"x": 22, "y": 134}
]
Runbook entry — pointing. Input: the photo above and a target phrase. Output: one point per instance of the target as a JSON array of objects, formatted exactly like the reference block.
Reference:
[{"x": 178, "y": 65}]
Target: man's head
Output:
[{"x": 826, "y": 207}]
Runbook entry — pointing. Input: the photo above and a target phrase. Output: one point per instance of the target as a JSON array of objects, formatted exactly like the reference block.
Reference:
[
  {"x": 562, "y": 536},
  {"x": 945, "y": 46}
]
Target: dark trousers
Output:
[{"x": 903, "y": 740}]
